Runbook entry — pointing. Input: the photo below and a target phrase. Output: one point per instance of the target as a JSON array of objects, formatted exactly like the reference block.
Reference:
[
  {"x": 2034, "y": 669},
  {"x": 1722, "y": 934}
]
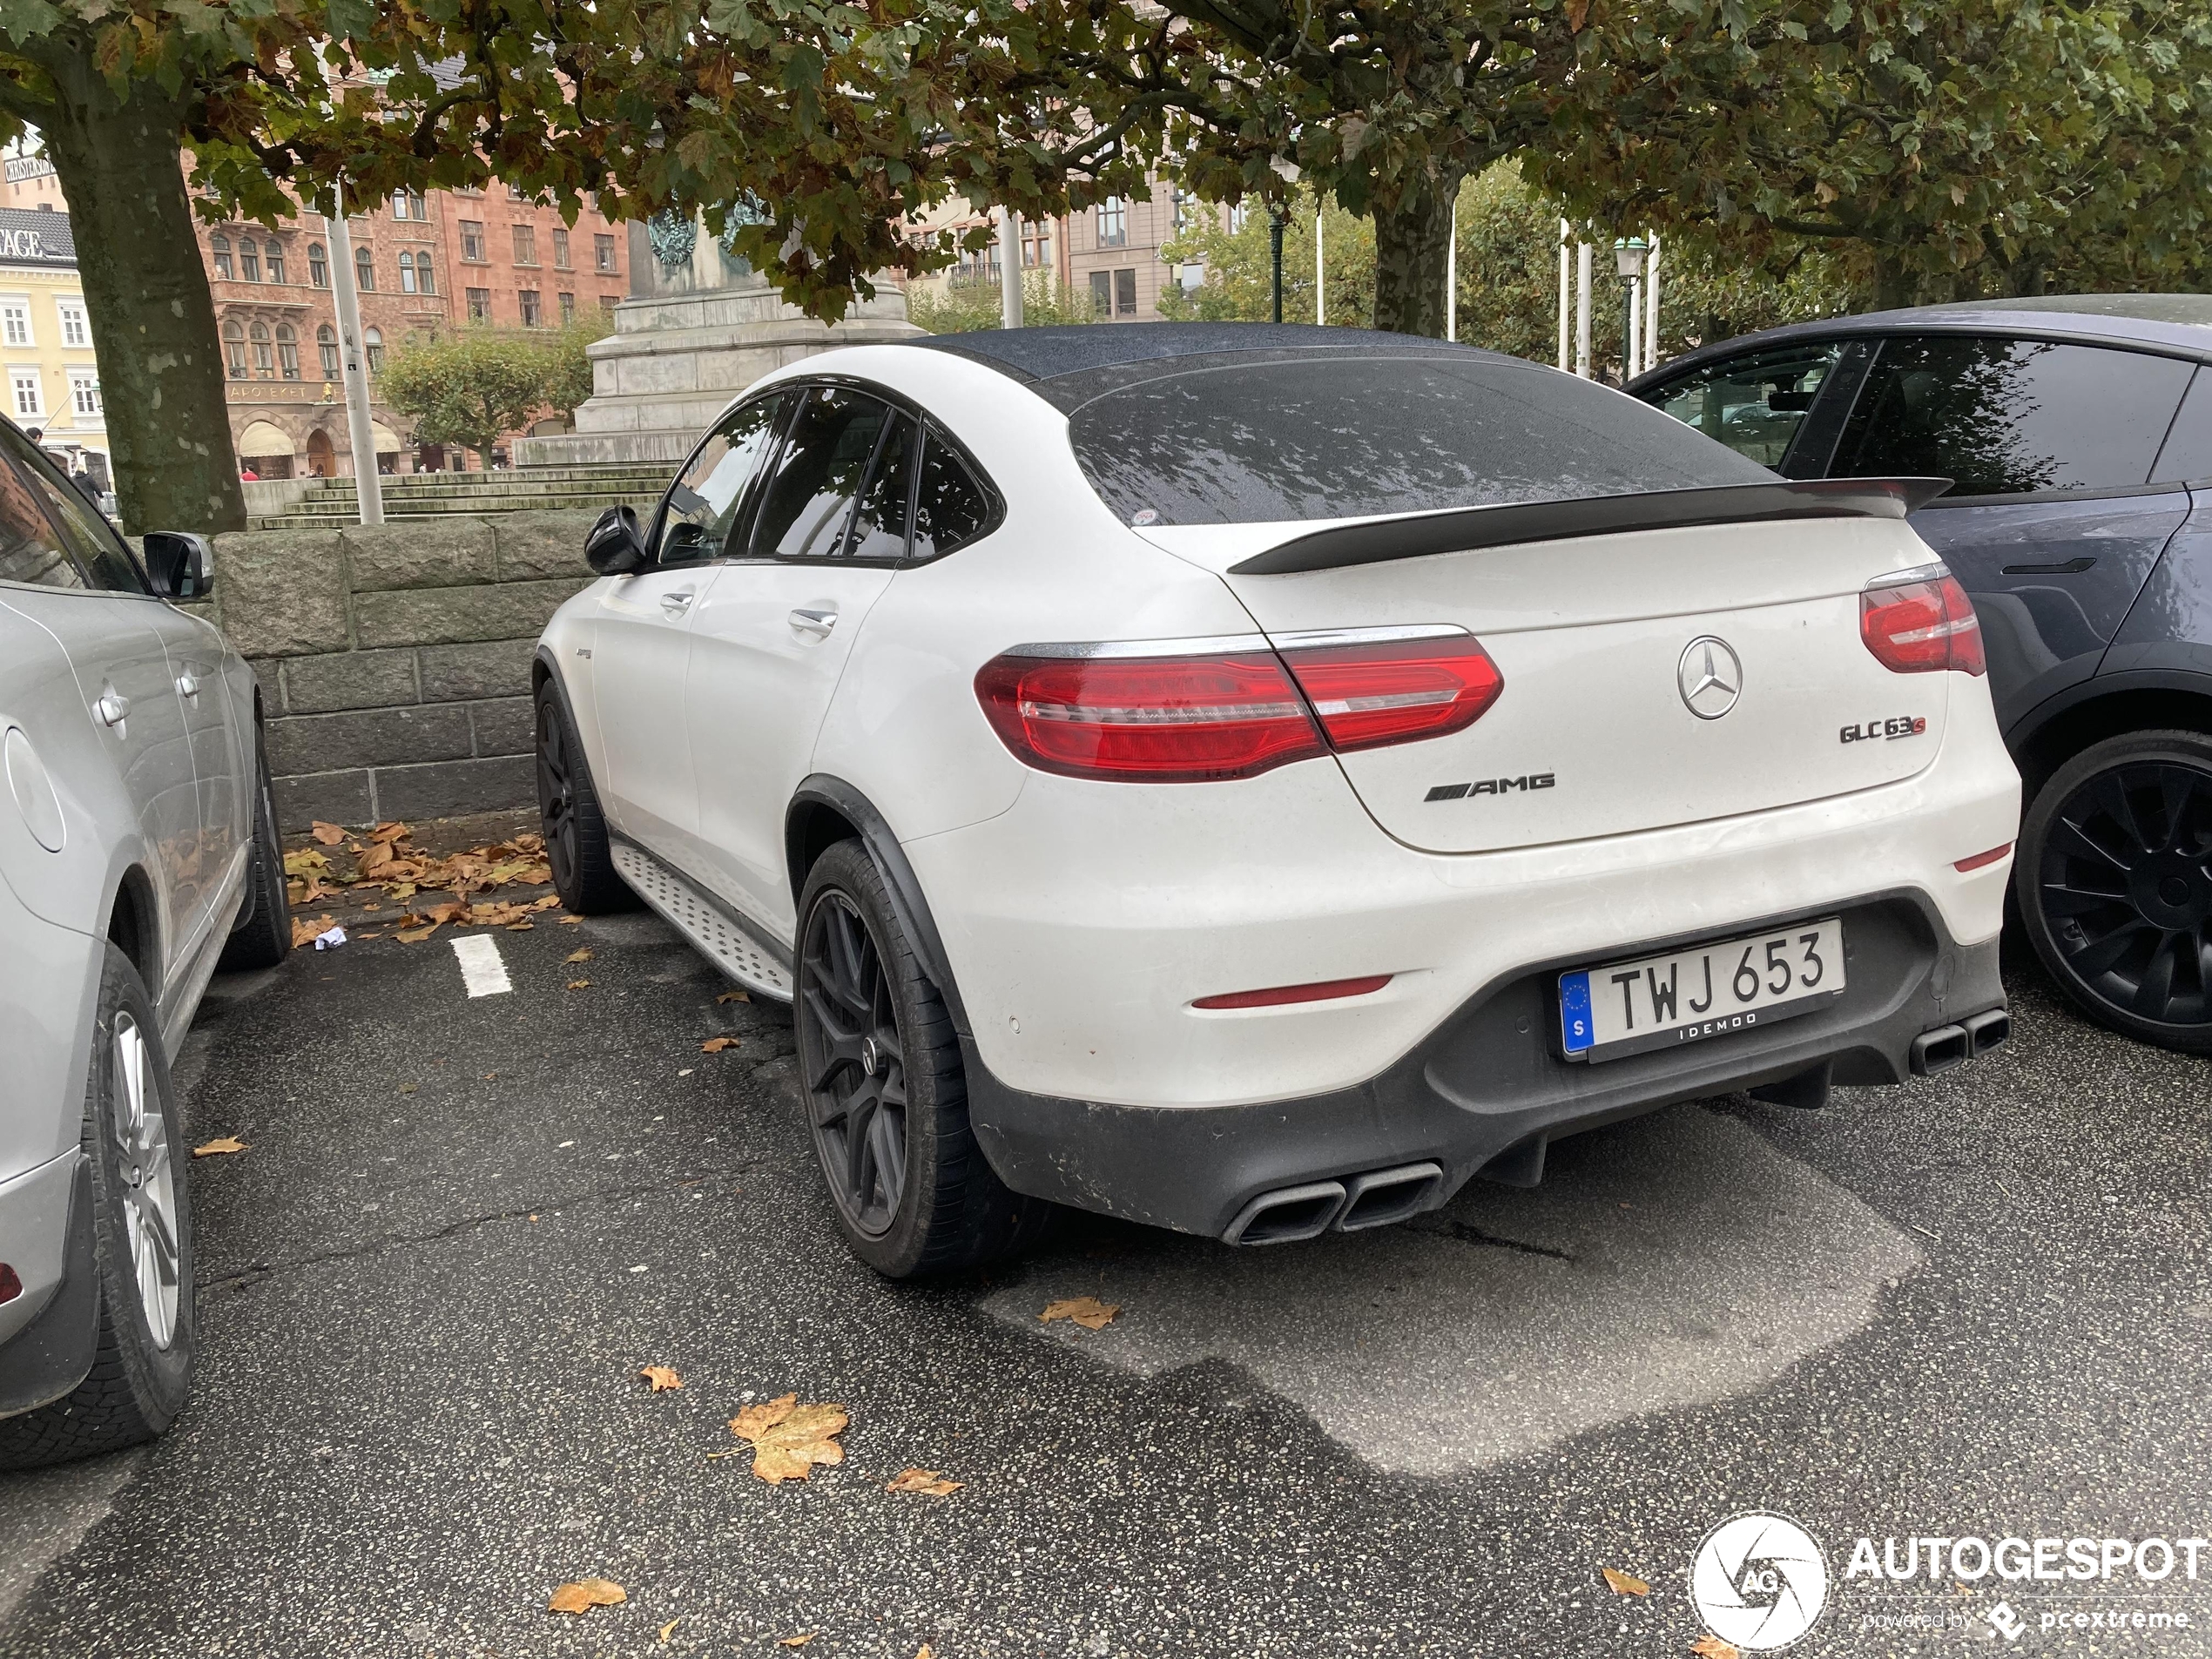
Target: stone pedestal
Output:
[{"x": 704, "y": 329}]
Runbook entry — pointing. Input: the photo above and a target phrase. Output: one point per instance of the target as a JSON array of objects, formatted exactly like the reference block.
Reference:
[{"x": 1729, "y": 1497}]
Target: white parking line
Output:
[{"x": 481, "y": 966}]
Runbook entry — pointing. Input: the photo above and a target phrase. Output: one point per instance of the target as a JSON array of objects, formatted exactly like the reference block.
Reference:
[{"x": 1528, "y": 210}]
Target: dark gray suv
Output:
[{"x": 2078, "y": 432}]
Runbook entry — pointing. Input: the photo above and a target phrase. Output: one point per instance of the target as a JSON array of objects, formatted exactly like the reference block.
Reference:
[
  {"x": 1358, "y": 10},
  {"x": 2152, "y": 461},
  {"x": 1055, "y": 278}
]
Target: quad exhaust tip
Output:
[{"x": 1375, "y": 1199}]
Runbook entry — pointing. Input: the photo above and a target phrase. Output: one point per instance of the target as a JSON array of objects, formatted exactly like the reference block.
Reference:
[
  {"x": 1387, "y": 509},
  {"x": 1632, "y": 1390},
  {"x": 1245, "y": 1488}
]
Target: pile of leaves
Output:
[{"x": 386, "y": 861}]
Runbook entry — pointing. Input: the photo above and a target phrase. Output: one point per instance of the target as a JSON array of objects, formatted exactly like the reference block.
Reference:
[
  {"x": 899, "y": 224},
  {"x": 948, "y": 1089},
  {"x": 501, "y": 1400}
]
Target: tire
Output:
[
  {"x": 138, "y": 1380},
  {"x": 567, "y": 808},
  {"x": 886, "y": 1094},
  {"x": 2114, "y": 888},
  {"x": 263, "y": 939}
]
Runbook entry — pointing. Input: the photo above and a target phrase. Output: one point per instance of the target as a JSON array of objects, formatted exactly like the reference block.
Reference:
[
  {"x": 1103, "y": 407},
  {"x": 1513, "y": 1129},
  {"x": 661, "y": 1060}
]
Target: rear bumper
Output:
[{"x": 1487, "y": 1087}]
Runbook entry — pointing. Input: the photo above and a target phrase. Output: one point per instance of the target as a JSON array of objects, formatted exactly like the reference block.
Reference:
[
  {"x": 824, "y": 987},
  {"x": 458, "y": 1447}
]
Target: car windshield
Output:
[{"x": 1227, "y": 440}]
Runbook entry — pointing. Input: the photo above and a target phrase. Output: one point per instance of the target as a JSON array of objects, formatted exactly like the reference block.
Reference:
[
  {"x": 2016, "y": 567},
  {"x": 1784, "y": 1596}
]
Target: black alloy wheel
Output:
[
  {"x": 855, "y": 1066},
  {"x": 576, "y": 847},
  {"x": 2116, "y": 873},
  {"x": 557, "y": 799}
]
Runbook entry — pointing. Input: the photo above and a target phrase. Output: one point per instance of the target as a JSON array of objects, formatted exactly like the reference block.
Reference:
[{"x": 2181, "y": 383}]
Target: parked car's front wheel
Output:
[
  {"x": 2114, "y": 884},
  {"x": 885, "y": 1093},
  {"x": 142, "y": 1245},
  {"x": 263, "y": 939},
  {"x": 576, "y": 845}
]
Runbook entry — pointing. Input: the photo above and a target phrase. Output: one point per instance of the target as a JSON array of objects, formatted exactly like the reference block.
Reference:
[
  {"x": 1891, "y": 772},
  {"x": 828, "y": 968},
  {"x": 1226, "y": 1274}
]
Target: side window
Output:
[
  {"x": 806, "y": 501},
  {"x": 2005, "y": 416},
  {"x": 1754, "y": 405},
  {"x": 2187, "y": 453},
  {"x": 706, "y": 500},
  {"x": 950, "y": 507},
  {"x": 879, "y": 522},
  {"x": 84, "y": 532},
  {"x": 29, "y": 550}
]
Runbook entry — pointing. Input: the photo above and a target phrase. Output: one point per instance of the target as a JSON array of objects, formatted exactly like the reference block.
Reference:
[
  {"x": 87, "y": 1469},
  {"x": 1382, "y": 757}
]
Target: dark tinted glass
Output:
[
  {"x": 704, "y": 500},
  {"x": 2003, "y": 416},
  {"x": 808, "y": 499},
  {"x": 1333, "y": 437},
  {"x": 30, "y": 549},
  {"x": 2188, "y": 454},
  {"x": 879, "y": 522},
  {"x": 950, "y": 507},
  {"x": 1755, "y": 404}
]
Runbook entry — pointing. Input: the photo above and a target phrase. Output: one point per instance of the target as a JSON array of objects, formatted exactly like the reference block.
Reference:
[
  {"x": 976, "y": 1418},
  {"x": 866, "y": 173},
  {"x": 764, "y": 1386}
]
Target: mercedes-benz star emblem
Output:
[
  {"x": 1710, "y": 678},
  {"x": 870, "y": 1058}
]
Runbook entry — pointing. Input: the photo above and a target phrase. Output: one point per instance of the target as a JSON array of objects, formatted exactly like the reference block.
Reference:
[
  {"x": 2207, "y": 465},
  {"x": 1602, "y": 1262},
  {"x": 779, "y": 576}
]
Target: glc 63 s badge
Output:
[{"x": 1902, "y": 725}]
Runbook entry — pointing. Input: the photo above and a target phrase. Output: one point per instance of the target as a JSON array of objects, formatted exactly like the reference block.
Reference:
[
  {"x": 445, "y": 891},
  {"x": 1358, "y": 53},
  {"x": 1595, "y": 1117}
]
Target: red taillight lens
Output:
[
  {"x": 1396, "y": 691},
  {"x": 1279, "y": 997},
  {"x": 10, "y": 1282},
  {"x": 1918, "y": 627},
  {"x": 1149, "y": 719}
]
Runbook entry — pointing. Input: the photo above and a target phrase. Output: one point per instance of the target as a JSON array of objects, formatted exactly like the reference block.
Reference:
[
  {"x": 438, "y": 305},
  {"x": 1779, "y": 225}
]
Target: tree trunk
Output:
[
  {"x": 1412, "y": 240},
  {"x": 153, "y": 319}
]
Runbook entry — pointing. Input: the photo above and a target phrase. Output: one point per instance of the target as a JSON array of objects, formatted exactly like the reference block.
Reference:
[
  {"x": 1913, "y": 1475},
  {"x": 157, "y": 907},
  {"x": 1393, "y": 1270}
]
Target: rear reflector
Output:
[
  {"x": 1148, "y": 720},
  {"x": 1321, "y": 991},
  {"x": 11, "y": 1283},
  {"x": 1396, "y": 691},
  {"x": 1920, "y": 621},
  {"x": 1982, "y": 860}
]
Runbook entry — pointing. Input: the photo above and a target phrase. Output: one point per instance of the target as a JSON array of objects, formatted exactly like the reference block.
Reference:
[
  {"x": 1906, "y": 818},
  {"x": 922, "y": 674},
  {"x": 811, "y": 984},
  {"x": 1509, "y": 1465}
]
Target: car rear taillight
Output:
[
  {"x": 1121, "y": 712},
  {"x": 1921, "y": 620},
  {"x": 1148, "y": 720},
  {"x": 1368, "y": 694}
]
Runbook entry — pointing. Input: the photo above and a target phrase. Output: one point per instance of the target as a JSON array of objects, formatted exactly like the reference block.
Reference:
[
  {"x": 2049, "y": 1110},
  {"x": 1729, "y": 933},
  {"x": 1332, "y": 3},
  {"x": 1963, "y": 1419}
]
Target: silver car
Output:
[{"x": 138, "y": 852}]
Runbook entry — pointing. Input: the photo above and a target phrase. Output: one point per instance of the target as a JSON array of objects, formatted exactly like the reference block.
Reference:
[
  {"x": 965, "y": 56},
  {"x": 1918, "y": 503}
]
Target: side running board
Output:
[{"x": 715, "y": 931}]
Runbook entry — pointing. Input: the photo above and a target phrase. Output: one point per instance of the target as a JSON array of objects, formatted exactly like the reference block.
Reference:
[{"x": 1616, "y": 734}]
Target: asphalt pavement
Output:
[{"x": 1979, "y": 1305}]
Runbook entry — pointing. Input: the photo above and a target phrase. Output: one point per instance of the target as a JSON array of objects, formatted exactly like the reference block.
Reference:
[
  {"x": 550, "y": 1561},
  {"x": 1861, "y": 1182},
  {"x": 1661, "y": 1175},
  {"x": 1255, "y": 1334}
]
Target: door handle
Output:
[
  {"x": 113, "y": 708},
  {"x": 817, "y": 622},
  {"x": 187, "y": 686},
  {"x": 677, "y": 603}
]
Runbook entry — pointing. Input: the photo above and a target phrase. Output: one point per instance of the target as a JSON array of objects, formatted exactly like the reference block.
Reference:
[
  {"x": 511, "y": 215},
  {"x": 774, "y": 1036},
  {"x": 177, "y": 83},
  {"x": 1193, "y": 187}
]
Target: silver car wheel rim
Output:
[{"x": 149, "y": 1182}]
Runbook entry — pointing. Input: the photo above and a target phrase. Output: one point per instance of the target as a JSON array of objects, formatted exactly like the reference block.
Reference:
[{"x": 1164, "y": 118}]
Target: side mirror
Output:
[
  {"x": 614, "y": 546},
  {"x": 180, "y": 564}
]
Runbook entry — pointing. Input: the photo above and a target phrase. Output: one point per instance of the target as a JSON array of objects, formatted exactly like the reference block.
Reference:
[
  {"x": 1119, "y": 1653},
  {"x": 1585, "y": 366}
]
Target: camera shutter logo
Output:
[{"x": 1759, "y": 1581}]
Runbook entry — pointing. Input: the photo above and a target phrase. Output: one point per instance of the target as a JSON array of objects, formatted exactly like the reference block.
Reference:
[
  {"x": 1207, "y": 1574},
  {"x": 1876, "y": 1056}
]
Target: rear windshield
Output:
[{"x": 1341, "y": 436}]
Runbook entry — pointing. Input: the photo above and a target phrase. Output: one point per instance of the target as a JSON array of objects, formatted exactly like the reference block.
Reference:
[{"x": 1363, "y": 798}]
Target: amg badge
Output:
[
  {"x": 1903, "y": 726},
  {"x": 1491, "y": 787}
]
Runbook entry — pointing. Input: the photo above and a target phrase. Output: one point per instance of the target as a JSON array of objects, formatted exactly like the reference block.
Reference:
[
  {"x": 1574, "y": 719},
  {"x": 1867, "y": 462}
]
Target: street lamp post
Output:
[
  {"x": 1628, "y": 259},
  {"x": 1279, "y": 214},
  {"x": 368, "y": 488}
]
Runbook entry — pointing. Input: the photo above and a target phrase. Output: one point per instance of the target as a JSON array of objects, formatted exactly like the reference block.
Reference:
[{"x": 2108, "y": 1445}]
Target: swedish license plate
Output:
[{"x": 1699, "y": 991}]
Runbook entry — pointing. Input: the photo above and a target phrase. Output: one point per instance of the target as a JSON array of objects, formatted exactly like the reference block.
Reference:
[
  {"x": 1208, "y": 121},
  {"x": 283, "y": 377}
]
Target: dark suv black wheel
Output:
[
  {"x": 886, "y": 1094},
  {"x": 2114, "y": 878}
]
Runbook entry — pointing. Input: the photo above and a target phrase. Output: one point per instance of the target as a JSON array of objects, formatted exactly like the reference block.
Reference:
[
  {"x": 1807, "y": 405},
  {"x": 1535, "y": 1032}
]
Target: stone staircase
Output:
[{"x": 331, "y": 504}]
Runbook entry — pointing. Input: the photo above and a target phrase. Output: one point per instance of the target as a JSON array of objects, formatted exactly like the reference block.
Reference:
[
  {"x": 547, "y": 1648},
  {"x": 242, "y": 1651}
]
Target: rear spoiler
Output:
[{"x": 1461, "y": 529}]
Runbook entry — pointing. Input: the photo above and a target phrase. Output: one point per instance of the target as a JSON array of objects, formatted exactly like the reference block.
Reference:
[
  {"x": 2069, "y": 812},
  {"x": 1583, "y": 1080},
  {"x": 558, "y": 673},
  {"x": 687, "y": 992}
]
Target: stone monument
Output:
[{"x": 700, "y": 325}]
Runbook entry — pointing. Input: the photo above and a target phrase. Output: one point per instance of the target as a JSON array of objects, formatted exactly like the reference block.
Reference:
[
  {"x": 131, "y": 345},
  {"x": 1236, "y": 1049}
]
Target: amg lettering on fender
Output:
[
  {"x": 1902, "y": 725},
  {"x": 1492, "y": 786}
]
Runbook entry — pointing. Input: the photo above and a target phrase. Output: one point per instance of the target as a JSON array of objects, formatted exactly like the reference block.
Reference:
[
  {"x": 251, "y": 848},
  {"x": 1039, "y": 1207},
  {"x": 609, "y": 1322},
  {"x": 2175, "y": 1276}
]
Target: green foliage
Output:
[
  {"x": 966, "y": 304},
  {"x": 474, "y": 385},
  {"x": 1240, "y": 271},
  {"x": 567, "y": 374}
]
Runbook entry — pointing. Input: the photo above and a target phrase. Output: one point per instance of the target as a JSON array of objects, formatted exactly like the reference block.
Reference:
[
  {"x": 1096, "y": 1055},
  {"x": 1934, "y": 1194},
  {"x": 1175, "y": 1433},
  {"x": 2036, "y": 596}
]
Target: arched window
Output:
[
  {"x": 407, "y": 274},
  {"x": 326, "y": 347},
  {"x": 373, "y": 346},
  {"x": 318, "y": 266},
  {"x": 249, "y": 259},
  {"x": 234, "y": 349},
  {"x": 288, "y": 352},
  {"x": 264, "y": 360},
  {"x": 365, "y": 270},
  {"x": 218, "y": 248},
  {"x": 275, "y": 249}
]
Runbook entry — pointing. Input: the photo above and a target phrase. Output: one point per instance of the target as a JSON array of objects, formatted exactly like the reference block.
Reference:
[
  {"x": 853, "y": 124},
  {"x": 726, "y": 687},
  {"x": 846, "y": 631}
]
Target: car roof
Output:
[
  {"x": 1068, "y": 364},
  {"x": 2176, "y": 325}
]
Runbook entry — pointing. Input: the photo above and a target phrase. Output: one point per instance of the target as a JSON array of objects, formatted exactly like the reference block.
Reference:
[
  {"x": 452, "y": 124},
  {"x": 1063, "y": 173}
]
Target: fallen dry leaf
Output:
[
  {"x": 570, "y": 922},
  {"x": 925, "y": 1652},
  {"x": 579, "y": 985},
  {"x": 328, "y": 835},
  {"x": 375, "y": 856},
  {"x": 306, "y": 862},
  {"x": 661, "y": 1378},
  {"x": 927, "y": 1480},
  {"x": 716, "y": 1045},
  {"x": 1711, "y": 1647},
  {"x": 583, "y": 955},
  {"x": 668, "y": 1629},
  {"x": 217, "y": 1147},
  {"x": 733, "y": 996},
  {"x": 305, "y": 931},
  {"x": 1623, "y": 1583},
  {"x": 415, "y": 936},
  {"x": 586, "y": 1593},
  {"x": 797, "y": 1642},
  {"x": 389, "y": 833},
  {"x": 1086, "y": 1311},
  {"x": 787, "y": 1438}
]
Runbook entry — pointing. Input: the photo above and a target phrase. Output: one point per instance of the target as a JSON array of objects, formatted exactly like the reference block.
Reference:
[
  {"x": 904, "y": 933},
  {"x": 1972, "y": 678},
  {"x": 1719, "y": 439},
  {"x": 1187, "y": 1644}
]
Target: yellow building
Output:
[{"x": 49, "y": 378}]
